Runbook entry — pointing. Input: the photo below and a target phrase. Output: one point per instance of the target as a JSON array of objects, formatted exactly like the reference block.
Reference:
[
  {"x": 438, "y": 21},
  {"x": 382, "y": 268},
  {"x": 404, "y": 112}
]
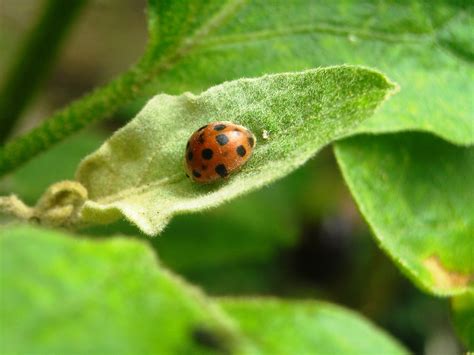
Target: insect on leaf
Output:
[
  {"x": 139, "y": 172},
  {"x": 425, "y": 47}
]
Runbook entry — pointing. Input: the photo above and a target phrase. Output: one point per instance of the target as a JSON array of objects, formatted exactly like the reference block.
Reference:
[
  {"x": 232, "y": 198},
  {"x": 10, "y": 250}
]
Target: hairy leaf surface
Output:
[{"x": 138, "y": 172}]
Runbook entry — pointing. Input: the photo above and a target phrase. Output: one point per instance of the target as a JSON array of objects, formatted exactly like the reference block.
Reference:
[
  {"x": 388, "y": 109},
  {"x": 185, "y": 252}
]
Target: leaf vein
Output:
[{"x": 320, "y": 28}]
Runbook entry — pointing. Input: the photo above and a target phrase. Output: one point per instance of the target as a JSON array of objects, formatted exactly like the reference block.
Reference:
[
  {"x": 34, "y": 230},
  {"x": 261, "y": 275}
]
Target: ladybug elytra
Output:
[{"x": 217, "y": 150}]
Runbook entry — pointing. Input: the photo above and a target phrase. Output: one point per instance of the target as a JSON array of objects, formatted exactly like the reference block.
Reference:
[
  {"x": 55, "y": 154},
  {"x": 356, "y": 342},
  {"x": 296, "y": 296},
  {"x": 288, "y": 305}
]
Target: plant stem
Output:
[
  {"x": 94, "y": 106},
  {"x": 34, "y": 60},
  {"x": 104, "y": 101}
]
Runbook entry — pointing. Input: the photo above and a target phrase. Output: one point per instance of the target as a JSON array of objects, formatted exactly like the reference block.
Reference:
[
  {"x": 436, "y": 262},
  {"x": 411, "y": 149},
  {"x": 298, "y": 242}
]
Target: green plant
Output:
[{"x": 408, "y": 163}]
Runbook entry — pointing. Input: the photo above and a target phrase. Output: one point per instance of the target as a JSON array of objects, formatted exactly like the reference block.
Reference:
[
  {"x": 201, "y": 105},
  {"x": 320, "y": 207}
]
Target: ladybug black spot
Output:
[
  {"x": 207, "y": 154},
  {"x": 196, "y": 174},
  {"x": 190, "y": 155},
  {"x": 219, "y": 127},
  {"x": 222, "y": 139},
  {"x": 241, "y": 150},
  {"x": 221, "y": 170},
  {"x": 251, "y": 141},
  {"x": 201, "y": 138}
]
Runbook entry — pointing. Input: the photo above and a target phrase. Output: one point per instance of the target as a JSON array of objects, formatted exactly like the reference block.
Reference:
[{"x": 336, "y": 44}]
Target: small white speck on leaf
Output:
[{"x": 352, "y": 38}]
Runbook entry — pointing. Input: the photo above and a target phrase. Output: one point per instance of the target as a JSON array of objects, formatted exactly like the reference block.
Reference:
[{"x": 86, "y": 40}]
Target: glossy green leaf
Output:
[
  {"x": 416, "y": 192},
  {"x": 138, "y": 172},
  {"x": 308, "y": 327},
  {"x": 62, "y": 294},
  {"x": 463, "y": 315},
  {"x": 424, "y": 46}
]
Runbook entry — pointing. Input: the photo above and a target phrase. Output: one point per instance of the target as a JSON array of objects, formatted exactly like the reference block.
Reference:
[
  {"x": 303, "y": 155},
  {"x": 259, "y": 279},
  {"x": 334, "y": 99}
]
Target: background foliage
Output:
[{"x": 307, "y": 240}]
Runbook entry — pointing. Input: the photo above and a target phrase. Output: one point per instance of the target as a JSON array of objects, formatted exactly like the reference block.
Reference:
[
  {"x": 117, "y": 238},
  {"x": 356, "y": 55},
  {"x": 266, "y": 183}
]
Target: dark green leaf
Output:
[
  {"x": 416, "y": 192},
  {"x": 424, "y": 46}
]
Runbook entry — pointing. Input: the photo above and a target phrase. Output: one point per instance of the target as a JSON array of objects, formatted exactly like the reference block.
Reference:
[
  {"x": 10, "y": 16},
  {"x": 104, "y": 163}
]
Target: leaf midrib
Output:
[
  {"x": 186, "y": 46},
  {"x": 322, "y": 28},
  {"x": 338, "y": 30}
]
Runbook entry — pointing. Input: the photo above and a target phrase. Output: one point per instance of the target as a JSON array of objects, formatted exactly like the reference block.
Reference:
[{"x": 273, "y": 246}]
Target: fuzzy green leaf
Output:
[
  {"x": 425, "y": 47},
  {"x": 62, "y": 294},
  {"x": 138, "y": 172},
  {"x": 416, "y": 192},
  {"x": 463, "y": 315},
  {"x": 291, "y": 327}
]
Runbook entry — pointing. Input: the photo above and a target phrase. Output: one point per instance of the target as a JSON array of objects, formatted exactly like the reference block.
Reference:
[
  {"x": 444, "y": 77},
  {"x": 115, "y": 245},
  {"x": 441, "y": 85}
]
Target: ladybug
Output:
[{"x": 217, "y": 150}]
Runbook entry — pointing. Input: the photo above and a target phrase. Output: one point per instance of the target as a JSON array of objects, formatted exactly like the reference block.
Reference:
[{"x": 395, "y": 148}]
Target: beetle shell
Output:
[{"x": 217, "y": 150}]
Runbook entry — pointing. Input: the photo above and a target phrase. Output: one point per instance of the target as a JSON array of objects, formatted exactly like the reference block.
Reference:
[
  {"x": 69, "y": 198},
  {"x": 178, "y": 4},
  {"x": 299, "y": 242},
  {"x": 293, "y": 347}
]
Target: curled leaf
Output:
[
  {"x": 138, "y": 173},
  {"x": 13, "y": 206},
  {"x": 60, "y": 205}
]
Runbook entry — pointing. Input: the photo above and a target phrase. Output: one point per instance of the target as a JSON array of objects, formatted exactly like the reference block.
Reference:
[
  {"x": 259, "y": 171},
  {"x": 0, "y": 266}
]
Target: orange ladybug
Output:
[{"x": 217, "y": 150}]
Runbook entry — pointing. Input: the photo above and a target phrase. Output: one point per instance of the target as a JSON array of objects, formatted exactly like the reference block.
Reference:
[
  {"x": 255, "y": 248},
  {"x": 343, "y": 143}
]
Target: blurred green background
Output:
[{"x": 301, "y": 237}]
